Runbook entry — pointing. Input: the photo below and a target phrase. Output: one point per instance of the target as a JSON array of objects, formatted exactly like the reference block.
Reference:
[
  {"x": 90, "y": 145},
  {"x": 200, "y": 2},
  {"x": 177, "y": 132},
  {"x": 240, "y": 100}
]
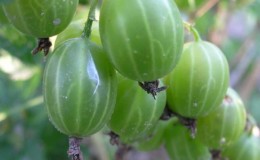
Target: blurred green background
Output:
[{"x": 27, "y": 134}]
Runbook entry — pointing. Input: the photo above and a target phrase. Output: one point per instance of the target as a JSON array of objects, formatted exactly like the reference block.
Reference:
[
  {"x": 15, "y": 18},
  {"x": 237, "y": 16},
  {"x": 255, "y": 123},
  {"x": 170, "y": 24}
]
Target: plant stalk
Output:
[
  {"x": 91, "y": 18},
  {"x": 193, "y": 30}
]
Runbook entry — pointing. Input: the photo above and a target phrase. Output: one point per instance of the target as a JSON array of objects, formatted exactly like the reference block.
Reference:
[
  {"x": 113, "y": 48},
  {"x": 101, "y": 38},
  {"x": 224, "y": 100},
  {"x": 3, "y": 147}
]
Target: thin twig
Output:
[
  {"x": 250, "y": 82},
  {"x": 203, "y": 9},
  {"x": 243, "y": 59},
  {"x": 241, "y": 68},
  {"x": 241, "y": 51}
]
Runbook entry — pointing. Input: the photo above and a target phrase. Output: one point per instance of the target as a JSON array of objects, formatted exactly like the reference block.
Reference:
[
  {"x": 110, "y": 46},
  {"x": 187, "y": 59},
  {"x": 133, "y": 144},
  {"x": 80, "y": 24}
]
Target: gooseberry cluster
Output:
[{"x": 133, "y": 73}]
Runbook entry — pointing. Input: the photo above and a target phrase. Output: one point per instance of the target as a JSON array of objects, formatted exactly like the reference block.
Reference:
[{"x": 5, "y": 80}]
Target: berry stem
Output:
[
  {"x": 74, "y": 151},
  {"x": 91, "y": 18},
  {"x": 44, "y": 44},
  {"x": 122, "y": 149},
  {"x": 152, "y": 87},
  {"x": 216, "y": 154},
  {"x": 193, "y": 30}
]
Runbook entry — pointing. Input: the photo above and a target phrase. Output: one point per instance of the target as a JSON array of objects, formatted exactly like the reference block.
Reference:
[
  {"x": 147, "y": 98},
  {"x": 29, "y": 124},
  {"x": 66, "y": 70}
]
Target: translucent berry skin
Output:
[
  {"x": 142, "y": 38},
  {"x": 225, "y": 124},
  {"x": 136, "y": 112},
  {"x": 40, "y": 19},
  {"x": 200, "y": 80},
  {"x": 79, "y": 86}
]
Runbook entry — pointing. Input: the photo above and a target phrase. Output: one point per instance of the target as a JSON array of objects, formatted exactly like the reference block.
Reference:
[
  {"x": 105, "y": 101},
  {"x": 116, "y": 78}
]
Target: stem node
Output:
[{"x": 193, "y": 30}]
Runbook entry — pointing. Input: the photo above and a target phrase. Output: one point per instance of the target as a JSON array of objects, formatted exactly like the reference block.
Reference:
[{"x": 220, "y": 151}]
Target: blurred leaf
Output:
[
  {"x": 18, "y": 44},
  {"x": 83, "y": 1},
  {"x": 3, "y": 19},
  {"x": 32, "y": 153},
  {"x": 253, "y": 106},
  {"x": 5, "y": 1},
  {"x": 189, "y": 5},
  {"x": 205, "y": 24},
  {"x": 255, "y": 7},
  {"x": 19, "y": 82},
  {"x": 55, "y": 143},
  {"x": 230, "y": 48}
]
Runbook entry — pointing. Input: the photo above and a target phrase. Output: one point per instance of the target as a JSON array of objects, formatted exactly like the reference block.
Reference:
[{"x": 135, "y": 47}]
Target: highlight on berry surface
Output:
[{"x": 79, "y": 88}]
